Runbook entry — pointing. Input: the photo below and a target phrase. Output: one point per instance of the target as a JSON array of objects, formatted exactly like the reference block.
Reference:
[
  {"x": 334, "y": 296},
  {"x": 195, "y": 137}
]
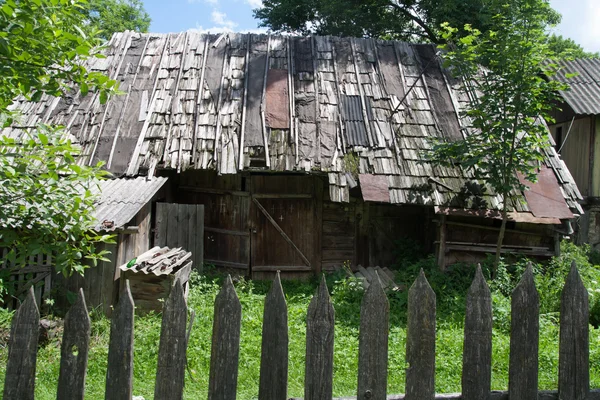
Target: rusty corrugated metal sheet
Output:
[
  {"x": 374, "y": 188},
  {"x": 277, "y": 114},
  {"x": 544, "y": 197},
  {"x": 121, "y": 199}
]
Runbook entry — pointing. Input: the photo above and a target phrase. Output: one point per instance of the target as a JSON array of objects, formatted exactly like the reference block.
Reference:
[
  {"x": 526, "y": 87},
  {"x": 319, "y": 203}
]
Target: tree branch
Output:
[{"x": 429, "y": 33}]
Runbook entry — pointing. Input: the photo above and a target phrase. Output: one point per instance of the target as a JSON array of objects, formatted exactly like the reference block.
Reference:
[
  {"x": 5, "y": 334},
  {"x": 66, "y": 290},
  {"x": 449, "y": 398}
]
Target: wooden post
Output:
[
  {"x": 274, "y": 354},
  {"x": 320, "y": 323},
  {"x": 170, "y": 371},
  {"x": 524, "y": 340},
  {"x": 119, "y": 373},
  {"x": 373, "y": 343},
  {"x": 477, "y": 347},
  {"x": 225, "y": 351},
  {"x": 74, "y": 351},
  {"x": 420, "y": 341},
  {"x": 441, "y": 255},
  {"x": 19, "y": 381},
  {"x": 574, "y": 350}
]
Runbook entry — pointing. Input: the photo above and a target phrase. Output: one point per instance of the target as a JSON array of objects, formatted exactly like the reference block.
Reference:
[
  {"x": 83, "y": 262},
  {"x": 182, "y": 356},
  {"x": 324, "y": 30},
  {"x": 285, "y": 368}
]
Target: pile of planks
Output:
[
  {"x": 159, "y": 261},
  {"x": 386, "y": 277}
]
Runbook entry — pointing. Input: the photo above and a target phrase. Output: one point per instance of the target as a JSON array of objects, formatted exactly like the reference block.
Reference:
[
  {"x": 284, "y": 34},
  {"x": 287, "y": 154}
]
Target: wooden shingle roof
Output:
[{"x": 222, "y": 102}]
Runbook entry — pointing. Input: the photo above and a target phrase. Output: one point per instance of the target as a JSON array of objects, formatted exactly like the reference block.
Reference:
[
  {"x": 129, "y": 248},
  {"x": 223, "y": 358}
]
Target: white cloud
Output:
[
  {"x": 255, "y": 3},
  {"x": 579, "y": 22},
  {"x": 222, "y": 29},
  {"x": 220, "y": 19}
]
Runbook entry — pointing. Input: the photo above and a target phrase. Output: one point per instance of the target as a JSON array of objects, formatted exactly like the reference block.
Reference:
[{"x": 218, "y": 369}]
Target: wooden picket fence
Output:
[{"x": 573, "y": 371}]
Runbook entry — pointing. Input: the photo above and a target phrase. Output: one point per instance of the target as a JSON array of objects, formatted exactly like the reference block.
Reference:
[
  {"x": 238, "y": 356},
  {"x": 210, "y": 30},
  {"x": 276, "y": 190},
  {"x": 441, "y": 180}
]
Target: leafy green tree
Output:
[
  {"x": 45, "y": 203},
  {"x": 565, "y": 48},
  {"x": 410, "y": 20},
  {"x": 110, "y": 16},
  {"x": 513, "y": 98}
]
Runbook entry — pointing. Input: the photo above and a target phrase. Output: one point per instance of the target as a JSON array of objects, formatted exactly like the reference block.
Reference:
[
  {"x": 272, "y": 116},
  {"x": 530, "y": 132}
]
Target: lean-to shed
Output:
[{"x": 306, "y": 152}]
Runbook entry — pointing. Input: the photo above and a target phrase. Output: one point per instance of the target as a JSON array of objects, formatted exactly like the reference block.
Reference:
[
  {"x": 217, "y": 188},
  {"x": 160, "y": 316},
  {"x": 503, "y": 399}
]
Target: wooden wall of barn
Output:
[{"x": 577, "y": 151}]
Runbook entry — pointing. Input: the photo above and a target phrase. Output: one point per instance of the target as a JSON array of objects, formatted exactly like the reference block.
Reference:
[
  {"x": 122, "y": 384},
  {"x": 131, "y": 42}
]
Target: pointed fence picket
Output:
[
  {"x": 274, "y": 354},
  {"x": 373, "y": 345}
]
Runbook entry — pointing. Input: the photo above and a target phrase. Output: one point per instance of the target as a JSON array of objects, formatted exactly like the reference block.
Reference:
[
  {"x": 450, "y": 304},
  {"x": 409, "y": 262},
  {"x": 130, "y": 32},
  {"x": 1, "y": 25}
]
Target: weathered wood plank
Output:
[
  {"x": 225, "y": 351},
  {"x": 19, "y": 381},
  {"x": 420, "y": 341},
  {"x": 170, "y": 371},
  {"x": 524, "y": 339},
  {"x": 160, "y": 238},
  {"x": 477, "y": 347},
  {"x": 574, "y": 356},
  {"x": 274, "y": 353},
  {"x": 199, "y": 238},
  {"x": 74, "y": 351},
  {"x": 320, "y": 324},
  {"x": 119, "y": 373},
  {"x": 373, "y": 343}
]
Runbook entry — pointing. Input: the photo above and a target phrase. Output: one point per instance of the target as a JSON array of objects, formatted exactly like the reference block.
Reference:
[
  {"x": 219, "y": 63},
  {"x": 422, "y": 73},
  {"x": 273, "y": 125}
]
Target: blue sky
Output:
[{"x": 580, "y": 17}]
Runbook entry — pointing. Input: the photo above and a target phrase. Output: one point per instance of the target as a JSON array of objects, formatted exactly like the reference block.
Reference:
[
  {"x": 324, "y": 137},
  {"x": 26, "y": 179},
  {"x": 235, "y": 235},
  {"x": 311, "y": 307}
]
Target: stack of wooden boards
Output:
[
  {"x": 151, "y": 276},
  {"x": 386, "y": 277},
  {"x": 159, "y": 261}
]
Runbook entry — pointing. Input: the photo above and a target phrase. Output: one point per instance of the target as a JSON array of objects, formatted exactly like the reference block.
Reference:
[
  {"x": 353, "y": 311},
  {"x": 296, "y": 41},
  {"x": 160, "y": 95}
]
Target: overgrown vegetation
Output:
[{"x": 450, "y": 287}]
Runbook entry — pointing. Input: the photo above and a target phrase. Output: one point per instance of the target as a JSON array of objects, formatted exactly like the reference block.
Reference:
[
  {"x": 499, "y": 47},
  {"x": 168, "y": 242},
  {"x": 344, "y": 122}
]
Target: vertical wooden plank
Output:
[
  {"x": 160, "y": 238},
  {"x": 108, "y": 278},
  {"x": 441, "y": 250},
  {"x": 274, "y": 353},
  {"x": 574, "y": 356},
  {"x": 119, "y": 373},
  {"x": 477, "y": 347},
  {"x": 74, "y": 351},
  {"x": 182, "y": 227},
  {"x": 373, "y": 343},
  {"x": 318, "y": 225},
  {"x": 170, "y": 371},
  {"x": 199, "y": 238},
  {"x": 225, "y": 350},
  {"x": 320, "y": 323},
  {"x": 420, "y": 341},
  {"x": 19, "y": 381},
  {"x": 524, "y": 340}
]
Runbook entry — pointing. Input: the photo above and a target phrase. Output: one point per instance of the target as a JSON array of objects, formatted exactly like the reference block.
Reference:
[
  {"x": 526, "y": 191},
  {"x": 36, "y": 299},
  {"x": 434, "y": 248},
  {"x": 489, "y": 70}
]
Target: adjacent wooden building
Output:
[
  {"x": 306, "y": 152},
  {"x": 576, "y": 134}
]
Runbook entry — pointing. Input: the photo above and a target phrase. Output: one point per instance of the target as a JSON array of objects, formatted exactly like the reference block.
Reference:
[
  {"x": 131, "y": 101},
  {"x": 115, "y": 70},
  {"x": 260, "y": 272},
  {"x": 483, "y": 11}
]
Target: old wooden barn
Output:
[{"x": 306, "y": 152}]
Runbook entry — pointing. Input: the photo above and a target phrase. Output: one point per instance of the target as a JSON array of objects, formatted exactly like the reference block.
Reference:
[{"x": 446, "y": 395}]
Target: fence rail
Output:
[{"x": 373, "y": 345}]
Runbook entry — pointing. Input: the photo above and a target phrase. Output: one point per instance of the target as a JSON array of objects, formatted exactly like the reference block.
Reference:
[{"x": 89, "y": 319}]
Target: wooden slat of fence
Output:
[
  {"x": 170, "y": 371},
  {"x": 477, "y": 348},
  {"x": 373, "y": 343},
  {"x": 19, "y": 381},
  {"x": 524, "y": 339},
  {"x": 320, "y": 323},
  {"x": 574, "y": 359},
  {"x": 225, "y": 351},
  {"x": 274, "y": 353},
  {"x": 119, "y": 373},
  {"x": 420, "y": 341},
  {"x": 74, "y": 351}
]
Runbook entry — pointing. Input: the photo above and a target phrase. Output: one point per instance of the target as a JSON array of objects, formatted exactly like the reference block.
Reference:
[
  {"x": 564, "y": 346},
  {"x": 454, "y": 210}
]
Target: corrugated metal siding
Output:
[
  {"x": 583, "y": 95},
  {"x": 121, "y": 199}
]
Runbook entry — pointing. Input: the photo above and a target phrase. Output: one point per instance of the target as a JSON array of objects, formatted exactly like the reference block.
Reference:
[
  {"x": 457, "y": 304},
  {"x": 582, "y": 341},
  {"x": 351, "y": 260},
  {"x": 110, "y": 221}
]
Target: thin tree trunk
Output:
[{"x": 500, "y": 236}]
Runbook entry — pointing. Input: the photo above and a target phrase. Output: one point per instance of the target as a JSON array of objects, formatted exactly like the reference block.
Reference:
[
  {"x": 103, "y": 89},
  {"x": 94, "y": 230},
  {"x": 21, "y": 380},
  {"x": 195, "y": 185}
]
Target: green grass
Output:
[{"x": 346, "y": 297}]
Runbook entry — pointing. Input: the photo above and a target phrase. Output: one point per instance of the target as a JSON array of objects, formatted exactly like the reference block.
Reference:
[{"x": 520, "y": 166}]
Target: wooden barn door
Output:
[{"x": 181, "y": 225}]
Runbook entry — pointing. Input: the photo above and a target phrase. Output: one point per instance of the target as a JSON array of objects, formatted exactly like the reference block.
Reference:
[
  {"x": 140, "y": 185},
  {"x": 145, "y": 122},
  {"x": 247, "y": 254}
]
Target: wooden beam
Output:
[
  {"x": 226, "y": 231},
  {"x": 441, "y": 255},
  {"x": 285, "y": 236},
  {"x": 245, "y": 102}
]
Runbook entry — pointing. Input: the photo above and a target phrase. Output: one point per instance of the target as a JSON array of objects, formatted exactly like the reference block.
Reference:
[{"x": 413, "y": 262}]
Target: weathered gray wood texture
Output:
[
  {"x": 477, "y": 348},
  {"x": 170, "y": 371},
  {"x": 274, "y": 353},
  {"x": 320, "y": 325},
  {"x": 19, "y": 381},
  {"x": 420, "y": 341},
  {"x": 373, "y": 343},
  {"x": 74, "y": 351},
  {"x": 119, "y": 372},
  {"x": 524, "y": 339},
  {"x": 225, "y": 350},
  {"x": 574, "y": 351}
]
